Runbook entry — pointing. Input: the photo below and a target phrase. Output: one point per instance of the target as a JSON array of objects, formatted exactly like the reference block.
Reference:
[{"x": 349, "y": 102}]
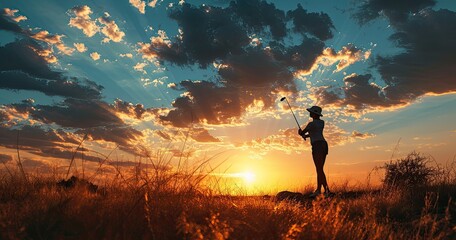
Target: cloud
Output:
[
  {"x": 247, "y": 74},
  {"x": 11, "y": 14},
  {"x": 97, "y": 119},
  {"x": 357, "y": 93},
  {"x": 317, "y": 24},
  {"x": 81, "y": 20},
  {"x": 258, "y": 15},
  {"x": 8, "y": 23},
  {"x": 204, "y": 102},
  {"x": 80, "y": 47},
  {"x": 345, "y": 57},
  {"x": 127, "y": 55},
  {"x": 356, "y": 134},
  {"x": 136, "y": 110},
  {"x": 209, "y": 33},
  {"x": 361, "y": 94},
  {"x": 395, "y": 11},
  {"x": 257, "y": 70},
  {"x": 26, "y": 69},
  {"x": 36, "y": 139},
  {"x": 140, "y": 5},
  {"x": 47, "y": 54},
  {"x": 78, "y": 113},
  {"x": 23, "y": 55},
  {"x": 197, "y": 134},
  {"x": 53, "y": 40},
  {"x": 140, "y": 67},
  {"x": 70, "y": 87},
  {"x": 110, "y": 29},
  {"x": 288, "y": 140},
  {"x": 153, "y": 3},
  {"x": 81, "y": 112},
  {"x": 63, "y": 153},
  {"x": 300, "y": 57},
  {"x": 203, "y": 135},
  {"x": 121, "y": 135},
  {"x": 424, "y": 67},
  {"x": 256, "y": 76},
  {"x": 95, "y": 56}
]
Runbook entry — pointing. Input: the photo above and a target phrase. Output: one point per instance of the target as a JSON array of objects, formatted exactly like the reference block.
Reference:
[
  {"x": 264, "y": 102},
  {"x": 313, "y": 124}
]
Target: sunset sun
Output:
[{"x": 248, "y": 177}]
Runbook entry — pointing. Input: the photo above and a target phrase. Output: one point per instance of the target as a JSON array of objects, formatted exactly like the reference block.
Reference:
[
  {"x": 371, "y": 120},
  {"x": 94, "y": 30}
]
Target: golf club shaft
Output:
[{"x": 299, "y": 126}]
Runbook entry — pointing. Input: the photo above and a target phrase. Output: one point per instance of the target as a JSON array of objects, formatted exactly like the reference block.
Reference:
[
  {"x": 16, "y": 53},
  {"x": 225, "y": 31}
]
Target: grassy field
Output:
[{"x": 169, "y": 206}]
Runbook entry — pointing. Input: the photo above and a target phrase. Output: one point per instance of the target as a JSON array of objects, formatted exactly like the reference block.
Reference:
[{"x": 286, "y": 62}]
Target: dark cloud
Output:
[
  {"x": 325, "y": 95},
  {"x": 209, "y": 33},
  {"x": 299, "y": 57},
  {"x": 38, "y": 140},
  {"x": 248, "y": 73},
  {"x": 361, "y": 94},
  {"x": 58, "y": 152},
  {"x": 205, "y": 102},
  {"x": 36, "y": 137},
  {"x": 395, "y": 11},
  {"x": 256, "y": 69},
  {"x": 212, "y": 33},
  {"x": 26, "y": 69},
  {"x": 202, "y": 135},
  {"x": 70, "y": 87},
  {"x": 23, "y": 56},
  {"x": 358, "y": 93},
  {"x": 257, "y": 15},
  {"x": 122, "y": 135},
  {"x": 257, "y": 75},
  {"x": 427, "y": 64},
  {"x": 317, "y": 24},
  {"x": 136, "y": 110},
  {"x": 79, "y": 117},
  {"x": 8, "y": 24},
  {"x": 78, "y": 113}
]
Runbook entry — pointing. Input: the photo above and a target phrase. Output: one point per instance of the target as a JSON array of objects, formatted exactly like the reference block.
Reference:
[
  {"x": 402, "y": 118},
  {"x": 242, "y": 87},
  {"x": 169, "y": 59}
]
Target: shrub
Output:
[{"x": 411, "y": 171}]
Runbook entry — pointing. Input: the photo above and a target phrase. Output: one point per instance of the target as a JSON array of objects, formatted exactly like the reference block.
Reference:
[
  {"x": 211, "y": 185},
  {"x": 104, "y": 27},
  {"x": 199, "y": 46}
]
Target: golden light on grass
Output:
[{"x": 248, "y": 178}]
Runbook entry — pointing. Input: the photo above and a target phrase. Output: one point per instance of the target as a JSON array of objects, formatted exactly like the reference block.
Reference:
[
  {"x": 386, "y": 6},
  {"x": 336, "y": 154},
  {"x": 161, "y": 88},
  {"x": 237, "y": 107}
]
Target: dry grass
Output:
[{"x": 165, "y": 205}]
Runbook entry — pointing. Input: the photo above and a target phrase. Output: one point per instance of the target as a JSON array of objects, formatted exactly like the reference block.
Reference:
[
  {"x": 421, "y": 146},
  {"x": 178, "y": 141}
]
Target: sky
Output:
[{"x": 190, "y": 82}]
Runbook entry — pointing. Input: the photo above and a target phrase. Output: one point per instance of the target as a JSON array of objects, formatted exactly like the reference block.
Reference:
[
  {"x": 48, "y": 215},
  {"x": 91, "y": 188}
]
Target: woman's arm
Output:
[{"x": 303, "y": 132}]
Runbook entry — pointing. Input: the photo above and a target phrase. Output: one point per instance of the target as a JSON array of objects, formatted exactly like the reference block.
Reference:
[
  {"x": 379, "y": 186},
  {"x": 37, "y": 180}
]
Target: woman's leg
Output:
[{"x": 319, "y": 160}]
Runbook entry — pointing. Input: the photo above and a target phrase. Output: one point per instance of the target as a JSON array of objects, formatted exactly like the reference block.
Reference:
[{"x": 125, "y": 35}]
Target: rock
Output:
[
  {"x": 289, "y": 196},
  {"x": 75, "y": 181}
]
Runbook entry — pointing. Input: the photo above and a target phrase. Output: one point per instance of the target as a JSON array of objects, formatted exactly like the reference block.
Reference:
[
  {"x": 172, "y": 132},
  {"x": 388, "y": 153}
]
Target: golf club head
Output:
[{"x": 283, "y": 99}]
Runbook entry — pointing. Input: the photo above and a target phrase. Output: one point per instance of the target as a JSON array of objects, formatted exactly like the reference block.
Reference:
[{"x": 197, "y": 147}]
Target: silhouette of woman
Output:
[{"x": 319, "y": 147}]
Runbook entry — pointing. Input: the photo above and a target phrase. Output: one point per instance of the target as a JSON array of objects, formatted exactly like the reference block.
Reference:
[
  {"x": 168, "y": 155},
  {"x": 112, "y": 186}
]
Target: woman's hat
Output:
[{"x": 316, "y": 110}]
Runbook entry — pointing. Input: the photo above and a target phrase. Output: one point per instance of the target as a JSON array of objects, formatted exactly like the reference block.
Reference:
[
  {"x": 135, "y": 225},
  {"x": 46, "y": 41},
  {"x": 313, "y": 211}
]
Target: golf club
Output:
[
  {"x": 285, "y": 98},
  {"x": 299, "y": 126}
]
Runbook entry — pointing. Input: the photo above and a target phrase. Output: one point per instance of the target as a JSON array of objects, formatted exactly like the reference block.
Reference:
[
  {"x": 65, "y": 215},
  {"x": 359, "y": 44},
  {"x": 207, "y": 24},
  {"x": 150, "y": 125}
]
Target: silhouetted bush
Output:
[{"x": 410, "y": 171}]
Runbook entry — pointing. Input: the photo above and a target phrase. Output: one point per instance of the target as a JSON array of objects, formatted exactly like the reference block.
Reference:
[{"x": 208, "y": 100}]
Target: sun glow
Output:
[{"x": 248, "y": 177}]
